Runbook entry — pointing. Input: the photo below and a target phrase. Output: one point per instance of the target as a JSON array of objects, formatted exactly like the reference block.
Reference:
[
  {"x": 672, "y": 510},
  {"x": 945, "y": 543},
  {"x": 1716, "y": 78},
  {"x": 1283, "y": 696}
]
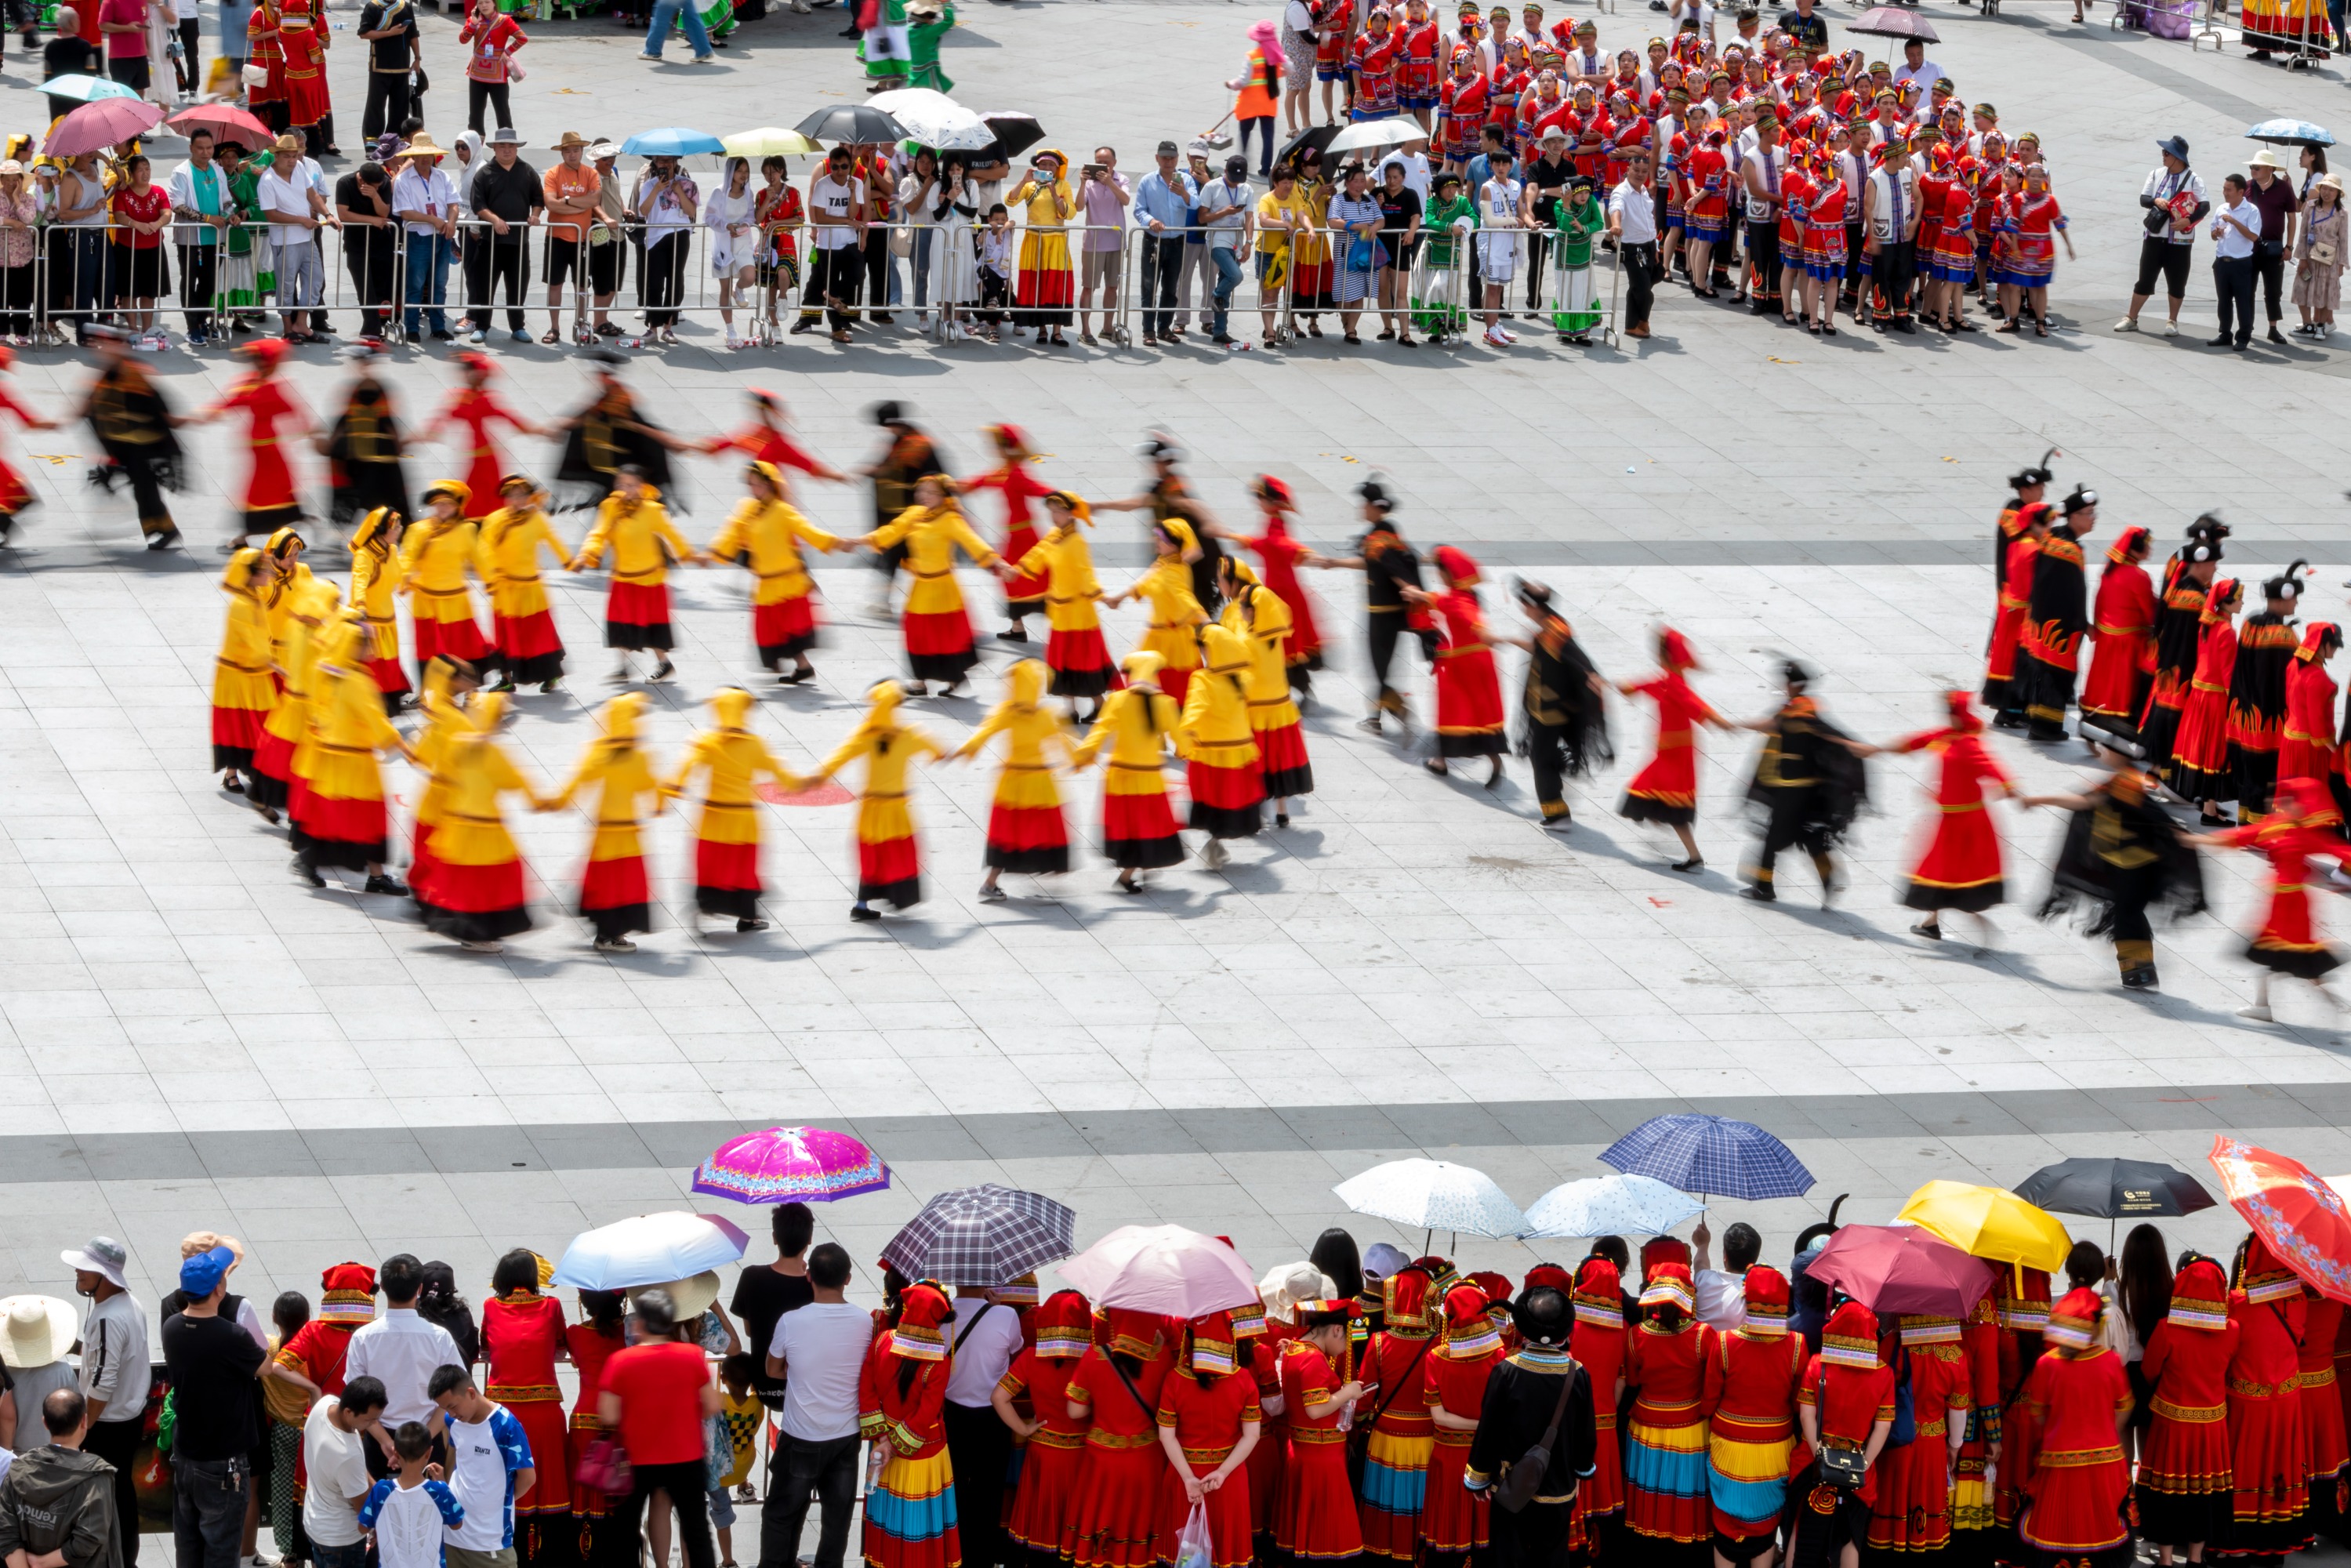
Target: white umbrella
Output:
[
  {"x": 1434, "y": 1194},
  {"x": 1610, "y": 1205},
  {"x": 933, "y": 118},
  {"x": 1371, "y": 135},
  {"x": 649, "y": 1249},
  {"x": 1162, "y": 1269}
]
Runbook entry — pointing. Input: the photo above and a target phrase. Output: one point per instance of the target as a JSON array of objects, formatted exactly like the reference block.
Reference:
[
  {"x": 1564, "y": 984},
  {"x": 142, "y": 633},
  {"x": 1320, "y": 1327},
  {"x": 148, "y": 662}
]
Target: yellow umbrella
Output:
[
  {"x": 1988, "y": 1222},
  {"x": 769, "y": 142}
]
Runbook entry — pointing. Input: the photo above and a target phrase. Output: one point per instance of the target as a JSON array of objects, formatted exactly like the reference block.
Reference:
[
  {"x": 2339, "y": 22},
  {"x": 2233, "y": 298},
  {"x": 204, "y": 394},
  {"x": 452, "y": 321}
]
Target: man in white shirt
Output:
[
  {"x": 1633, "y": 221},
  {"x": 400, "y": 1349},
  {"x": 2236, "y": 229},
  {"x": 289, "y": 197},
  {"x": 818, "y": 1350},
  {"x": 1722, "y": 1292},
  {"x": 334, "y": 1457},
  {"x": 490, "y": 1464},
  {"x": 424, "y": 199},
  {"x": 837, "y": 217},
  {"x": 1412, "y": 157},
  {"x": 1916, "y": 75},
  {"x": 985, "y": 1337}
]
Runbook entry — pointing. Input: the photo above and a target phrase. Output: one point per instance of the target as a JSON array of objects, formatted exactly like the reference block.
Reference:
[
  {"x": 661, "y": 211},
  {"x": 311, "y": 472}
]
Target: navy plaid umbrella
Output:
[
  {"x": 983, "y": 1236},
  {"x": 1710, "y": 1157}
]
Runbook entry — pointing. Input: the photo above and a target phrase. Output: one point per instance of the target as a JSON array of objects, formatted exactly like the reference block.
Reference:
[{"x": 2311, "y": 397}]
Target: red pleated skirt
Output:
[
  {"x": 2322, "y": 1420},
  {"x": 273, "y": 760},
  {"x": 237, "y": 735},
  {"x": 477, "y": 889},
  {"x": 2113, "y": 686},
  {"x": 1913, "y": 1511},
  {"x": 1230, "y": 1530},
  {"x": 458, "y": 639},
  {"x": 1226, "y": 801},
  {"x": 1040, "y": 1503},
  {"x": 528, "y": 636},
  {"x": 2076, "y": 1508},
  {"x": 636, "y": 615},
  {"x": 942, "y": 632},
  {"x": 544, "y": 1424},
  {"x": 1453, "y": 1518},
  {"x": 890, "y": 869},
  {"x": 2185, "y": 1458},
  {"x": 1469, "y": 718},
  {"x": 1283, "y": 768},
  {"x": 1032, "y": 839},
  {"x": 1139, "y": 834},
  {"x": 727, "y": 879},
  {"x": 2270, "y": 1462},
  {"x": 1316, "y": 1520},
  {"x": 2199, "y": 750},
  {"x": 1113, "y": 1518},
  {"x": 615, "y": 883},
  {"x": 1603, "y": 1491},
  {"x": 1960, "y": 869},
  {"x": 1081, "y": 663},
  {"x": 786, "y": 629},
  {"x": 2007, "y": 632},
  {"x": 390, "y": 678},
  {"x": 361, "y": 828}
]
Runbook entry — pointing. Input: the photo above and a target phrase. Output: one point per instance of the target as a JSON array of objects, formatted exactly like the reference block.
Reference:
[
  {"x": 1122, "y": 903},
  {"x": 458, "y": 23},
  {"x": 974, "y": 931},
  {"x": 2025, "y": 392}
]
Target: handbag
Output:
[
  {"x": 2323, "y": 252},
  {"x": 1359, "y": 256},
  {"x": 1906, "y": 1407},
  {"x": 605, "y": 1466},
  {"x": 1843, "y": 1468},
  {"x": 1519, "y": 1483}
]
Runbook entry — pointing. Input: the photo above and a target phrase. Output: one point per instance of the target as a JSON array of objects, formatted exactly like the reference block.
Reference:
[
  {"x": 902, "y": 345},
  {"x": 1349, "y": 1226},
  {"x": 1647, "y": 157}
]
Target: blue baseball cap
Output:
[{"x": 201, "y": 1275}]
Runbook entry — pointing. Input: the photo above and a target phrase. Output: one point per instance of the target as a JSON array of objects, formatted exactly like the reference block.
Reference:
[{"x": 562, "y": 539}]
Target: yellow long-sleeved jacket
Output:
[
  {"x": 771, "y": 534},
  {"x": 1215, "y": 728},
  {"x": 376, "y": 574},
  {"x": 1134, "y": 724},
  {"x": 733, "y": 758},
  {"x": 1167, "y": 587},
  {"x": 506, "y": 555},
  {"x": 472, "y": 828},
  {"x": 1270, "y": 703},
  {"x": 888, "y": 749},
  {"x": 931, "y": 539},
  {"x": 433, "y": 556},
  {"x": 1030, "y": 733},
  {"x": 643, "y": 540},
  {"x": 241, "y": 671},
  {"x": 621, "y": 771},
  {"x": 347, "y": 730},
  {"x": 1067, "y": 563}
]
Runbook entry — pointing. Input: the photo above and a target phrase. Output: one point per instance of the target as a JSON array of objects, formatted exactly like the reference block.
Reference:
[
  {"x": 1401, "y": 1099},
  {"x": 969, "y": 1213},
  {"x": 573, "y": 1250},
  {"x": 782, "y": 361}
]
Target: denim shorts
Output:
[{"x": 722, "y": 1509}]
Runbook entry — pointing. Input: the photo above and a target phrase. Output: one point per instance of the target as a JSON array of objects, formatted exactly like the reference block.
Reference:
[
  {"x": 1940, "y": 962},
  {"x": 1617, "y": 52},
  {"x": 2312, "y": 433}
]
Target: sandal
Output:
[
  {"x": 1351, "y": 338},
  {"x": 2009, "y": 326},
  {"x": 2040, "y": 328},
  {"x": 552, "y": 336}
]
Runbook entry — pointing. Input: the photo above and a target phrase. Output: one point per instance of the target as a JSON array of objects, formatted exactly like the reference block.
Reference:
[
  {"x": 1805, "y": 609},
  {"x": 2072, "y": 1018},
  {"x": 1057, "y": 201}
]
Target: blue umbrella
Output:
[
  {"x": 1611, "y": 1205},
  {"x": 672, "y": 142},
  {"x": 85, "y": 89},
  {"x": 1711, "y": 1156},
  {"x": 2294, "y": 132}
]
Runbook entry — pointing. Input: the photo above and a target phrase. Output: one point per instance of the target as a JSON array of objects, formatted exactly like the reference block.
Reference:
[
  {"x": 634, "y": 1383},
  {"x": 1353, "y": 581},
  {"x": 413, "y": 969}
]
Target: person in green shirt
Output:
[
  {"x": 1580, "y": 221},
  {"x": 246, "y": 279},
  {"x": 1437, "y": 311}
]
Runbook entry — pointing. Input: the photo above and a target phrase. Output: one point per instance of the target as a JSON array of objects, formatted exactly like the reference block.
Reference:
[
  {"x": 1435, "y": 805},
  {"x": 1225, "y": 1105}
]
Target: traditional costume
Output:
[
  {"x": 1961, "y": 866},
  {"x": 2179, "y": 628},
  {"x": 589, "y": 1345},
  {"x": 1278, "y": 553},
  {"x": 1061, "y": 568},
  {"x": 644, "y": 542},
  {"x": 338, "y": 811},
  {"x": 522, "y": 1335},
  {"x": 1218, "y": 748},
  {"x": 1394, "y": 1375},
  {"x": 1524, "y": 1396},
  {"x": 1453, "y": 1519},
  {"x": 1849, "y": 1391},
  {"x": 444, "y": 723},
  {"x": 2306, "y": 745},
  {"x": 1316, "y": 1520},
  {"x": 271, "y": 787},
  {"x": 889, "y": 857},
  {"x": 268, "y": 499},
  {"x": 1666, "y": 790},
  {"x": 2003, "y": 689},
  {"x": 364, "y": 456},
  {"x": 1259, "y": 617},
  {"x": 1026, "y": 831},
  {"x": 132, "y": 421},
  {"x": 433, "y": 556},
  {"x": 1390, "y": 566},
  {"x": 2056, "y": 616},
  {"x": 2269, "y": 1448},
  {"x": 2185, "y": 1477},
  {"x": 1027, "y": 593},
  {"x": 1566, "y": 724},
  {"x": 2265, "y": 648},
  {"x": 910, "y": 1508},
  {"x": 1047, "y": 285},
  {"x": 1913, "y": 1511},
  {"x": 1598, "y": 1345},
  {"x": 1139, "y": 831},
  {"x": 2068, "y": 1457},
  {"x": 16, "y": 496},
  {"x": 2321, "y": 1413},
  {"x": 1751, "y": 1393},
  {"x": 507, "y": 546},
  {"x": 303, "y": 45},
  {"x": 2293, "y": 836},
  {"x": 936, "y": 627},
  {"x": 608, "y": 436},
  {"x": 1175, "y": 612},
  {"x": 2200, "y": 764},
  {"x": 1049, "y": 1459},
  {"x": 475, "y": 896},
  {"x": 375, "y": 583},
  {"x": 615, "y": 894},
  {"x": 1666, "y": 1361},
  {"x": 2122, "y": 668},
  {"x": 243, "y": 693},
  {"x": 1469, "y": 717},
  {"x": 727, "y": 833},
  {"x": 1209, "y": 1405},
  {"x": 1116, "y": 1510},
  {"x": 2121, "y": 855},
  {"x": 764, "y": 537},
  {"x": 1807, "y": 788}
]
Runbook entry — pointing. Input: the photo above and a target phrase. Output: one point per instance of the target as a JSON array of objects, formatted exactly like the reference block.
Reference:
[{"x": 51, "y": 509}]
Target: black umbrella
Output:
[
  {"x": 1318, "y": 137},
  {"x": 858, "y": 122},
  {"x": 2112, "y": 1189},
  {"x": 1015, "y": 134}
]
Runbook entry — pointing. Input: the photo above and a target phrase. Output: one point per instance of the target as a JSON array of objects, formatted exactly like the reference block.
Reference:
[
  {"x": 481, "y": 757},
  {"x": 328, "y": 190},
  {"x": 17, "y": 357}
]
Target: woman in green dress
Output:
[
  {"x": 1439, "y": 309},
  {"x": 245, "y": 283},
  {"x": 1580, "y": 223}
]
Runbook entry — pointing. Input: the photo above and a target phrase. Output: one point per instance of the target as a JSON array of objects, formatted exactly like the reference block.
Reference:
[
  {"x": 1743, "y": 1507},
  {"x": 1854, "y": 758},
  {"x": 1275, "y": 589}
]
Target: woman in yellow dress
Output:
[
  {"x": 340, "y": 818},
  {"x": 937, "y": 626},
  {"x": 477, "y": 896},
  {"x": 614, "y": 892},
  {"x": 528, "y": 648},
  {"x": 289, "y": 587},
  {"x": 274, "y": 785},
  {"x": 1139, "y": 831},
  {"x": 1213, "y": 739},
  {"x": 1074, "y": 650},
  {"x": 1260, "y": 618},
  {"x": 1048, "y": 285},
  {"x": 375, "y": 580},
  {"x": 1175, "y": 613},
  {"x": 1311, "y": 261},
  {"x": 635, "y": 526},
  {"x": 1026, "y": 831},
  {"x": 433, "y": 557},
  {"x": 764, "y": 535},
  {"x": 243, "y": 693},
  {"x": 727, "y": 834},
  {"x": 889, "y": 858},
  {"x": 442, "y": 682}
]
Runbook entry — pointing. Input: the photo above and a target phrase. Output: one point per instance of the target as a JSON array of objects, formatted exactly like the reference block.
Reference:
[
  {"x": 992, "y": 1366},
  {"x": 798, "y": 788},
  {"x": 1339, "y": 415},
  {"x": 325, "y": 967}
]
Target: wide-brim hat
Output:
[
  {"x": 689, "y": 1299},
  {"x": 35, "y": 1331},
  {"x": 421, "y": 145},
  {"x": 569, "y": 139},
  {"x": 2266, "y": 158}
]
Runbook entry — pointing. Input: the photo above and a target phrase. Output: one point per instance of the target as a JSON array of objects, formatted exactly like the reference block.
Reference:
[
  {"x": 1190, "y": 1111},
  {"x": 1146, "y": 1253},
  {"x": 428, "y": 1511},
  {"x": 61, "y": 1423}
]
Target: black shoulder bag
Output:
[
  {"x": 1524, "y": 1479},
  {"x": 1843, "y": 1468}
]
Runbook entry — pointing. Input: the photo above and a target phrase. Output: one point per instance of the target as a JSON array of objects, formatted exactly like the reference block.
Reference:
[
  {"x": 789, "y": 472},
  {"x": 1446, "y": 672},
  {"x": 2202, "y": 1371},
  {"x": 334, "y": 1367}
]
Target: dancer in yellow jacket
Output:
[
  {"x": 505, "y": 555},
  {"x": 243, "y": 693},
  {"x": 633, "y": 524},
  {"x": 1213, "y": 739},
  {"x": 765, "y": 534},
  {"x": 375, "y": 580},
  {"x": 477, "y": 896},
  {"x": 1260, "y": 618},
  {"x": 615, "y": 896},
  {"x": 290, "y": 586},
  {"x": 442, "y": 682},
  {"x": 1026, "y": 831},
  {"x": 889, "y": 859},
  {"x": 936, "y": 627},
  {"x": 1175, "y": 613},
  {"x": 1074, "y": 650},
  {"x": 1138, "y": 825},
  {"x": 433, "y": 557},
  {"x": 727, "y": 834},
  {"x": 340, "y": 818},
  {"x": 273, "y": 785}
]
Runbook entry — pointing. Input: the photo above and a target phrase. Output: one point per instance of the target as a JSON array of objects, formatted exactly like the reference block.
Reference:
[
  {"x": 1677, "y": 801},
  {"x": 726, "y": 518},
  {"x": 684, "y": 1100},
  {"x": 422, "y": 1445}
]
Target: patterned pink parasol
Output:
[
  {"x": 789, "y": 1164},
  {"x": 94, "y": 127}
]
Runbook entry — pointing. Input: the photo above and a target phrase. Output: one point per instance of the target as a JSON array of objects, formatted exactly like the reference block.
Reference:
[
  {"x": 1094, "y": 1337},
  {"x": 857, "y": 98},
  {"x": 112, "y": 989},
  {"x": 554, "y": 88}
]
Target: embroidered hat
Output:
[
  {"x": 1065, "y": 1324},
  {"x": 347, "y": 1294},
  {"x": 1766, "y": 1290},
  {"x": 2200, "y": 1297},
  {"x": 1469, "y": 1328},
  {"x": 2024, "y": 1301},
  {"x": 1210, "y": 1353},
  {"x": 1405, "y": 1295},
  {"x": 1599, "y": 1294},
  {"x": 1669, "y": 1285},
  {"x": 923, "y": 1310},
  {"x": 2073, "y": 1321},
  {"x": 2265, "y": 1278},
  {"x": 1850, "y": 1338},
  {"x": 1925, "y": 1328}
]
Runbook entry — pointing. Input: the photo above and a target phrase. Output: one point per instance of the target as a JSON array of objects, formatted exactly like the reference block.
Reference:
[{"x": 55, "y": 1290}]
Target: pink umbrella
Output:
[
  {"x": 1902, "y": 1269},
  {"x": 94, "y": 127},
  {"x": 1162, "y": 1269},
  {"x": 789, "y": 1165}
]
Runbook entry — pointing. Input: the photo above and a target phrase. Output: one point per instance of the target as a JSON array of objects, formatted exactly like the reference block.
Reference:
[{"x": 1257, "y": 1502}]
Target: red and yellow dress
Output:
[
  {"x": 1116, "y": 1510},
  {"x": 1471, "y": 721},
  {"x": 478, "y": 408},
  {"x": 477, "y": 889},
  {"x": 2001, "y": 691},
  {"x": 304, "y": 51},
  {"x": 1027, "y": 593},
  {"x": 263, "y": 51},
  {"x": 2075, "y": 1477},
  {"x": 1913, "y": 1511},
  {"x": 765, "y": 538},
  {"x": 1666, "y": 790},
  {"x": 375, "y": 581},
  {"x": 243, "y": 693},
  {"x": 1279, "y": 552},
  {"x": 2306, "y": 743},
  {"x": 444, "y": 721},
  {"x": 16, "y": 496},
  {"x": 2199, "y": 767},
  {"x": 270, "y": 499},
  {"x": 589, "y": 1351},
  {"x": 2287, "y": 941},
  {"x": 726, "y": 833},
  {"x": 1049, "y": 1459},
  {"x": 644, "y": 542},
  {"x": 889, "y": 857},
  {"x": 1026, "y": 829},
  {"x": 2123, "y": 664},
  {"x": 1597, "y": 1341},
  {"x": 433, "y": 556},
  {"x": 2185, "y": 1476},
  {"x": 1063, "y": 569},
  {"x": 1961, "y": 866},
  {"x": 1316, "y": 1519},
  {"x": 1208, "y": 1423},
  {"x": 522, "y": 1336},
  {"x": 507, "y": 546},
  {"x": 2268, "y": 1446},
  {"x": 1282, "y": 764},
  {"x": 1665, "y": 1489},
  {"x": 1395, "y": 1372},
  {"x": 338, "y": 810},
  {"x": 1751, "y": 1389},
  {"x": 910, "y": 1512},
  {"x": 936, "y": 627},
  {"x": 1174, "y": 611},
  {"x": 1139, "y": 832},
  {"x": 1215, "y": 740},
  {"x": 615, "y": 894},
  {"x": 2322, "y": 1411},
  {"x": 1971, "y": 1498},
  {"x": 274, "y": 781},
  {"x": 1453, "y": 1519}
]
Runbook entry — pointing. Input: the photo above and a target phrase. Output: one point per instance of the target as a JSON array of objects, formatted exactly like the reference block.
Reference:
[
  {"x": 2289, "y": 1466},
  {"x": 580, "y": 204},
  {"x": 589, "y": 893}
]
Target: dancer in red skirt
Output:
[
  {"x": 910, "y": 1512},
  {"x": 889, "y": 857},
  {"x": 769, "y": 439},
  {"x": 375, "y": 581},
  {"x": 1471, "y": 721},
  {"x": 1026, "y": 831},
  {"x": 1025, "y": 592},
  {"x": 1666, "y": 1491},
  {"x": 2003, "y": 687},
  {"x": 522, "y": 1336},
  {"x": 1260, "y": 618},
  {"x": 1054, "y": 1441},
  {"x": 1139, "y": 832},
  {"x": 633, "y": 522},
  {"x": 1209, "y": 1424},
  {"x": 474, "y": 408},
  {"x": 340, "y": 817},
  {"x": 243, "y": 694},
  {"x": 765, "y": 534},
  {"x": 434, "y": 554},
  {"x": 615, "y": 896},
  {"x": 1316, "y": 1520},
  {"x": 16, "y": 496},
  {"x": 1960, "y": 868},
  {"x": 1597, "y": 1342},
  {"x": 1666, "y": 790},
  {"x": 1453, "y": 1519},
  {"x": 2293, "y": 836},
  {"x": 2122, "y": 667},
  {"x": 1751, "y": 1389},
  {"x": 2068, "y": 1456},
  {"x": 1064, "y": 564},
  {"x": 1280, "y": 554},
  {"x": 1913, "y": 1511},
  {"x": 934, "y": 623},
  {"x": 2269, "y": 1447},
  {"x": 1220, "y": 750},
  {"x": 2199, "y": 767},
  {"x": 2185, "y": 1480},
  {"x": 441, "y": 683},
  {"x": 270, "y": 499},
  {"x": 2306, "y": 745},
  {"x": 727, "y": 833},
  {"x": 2321, "y": 1413},
  {"x": 529, "y": 649},
  {"x": 475, "y": 896},
  {"x": 294, "y": 666},
  {"x": 1115, "y": 1512}
]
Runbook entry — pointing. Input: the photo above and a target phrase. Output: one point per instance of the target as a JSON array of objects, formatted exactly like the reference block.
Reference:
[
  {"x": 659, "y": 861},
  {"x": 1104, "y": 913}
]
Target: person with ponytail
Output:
[
  {"x": 1666, "y": 790},
  {"x": 1218, "y": 749},
  {"x": 1960, "y": 867},
  {"x": 1027, "y": 831},
  {"x": 615, "y": 894},
  {"x": 889, "y": 856},
  {"x": 934, "y": 624},
  {"x": 1209, "y": 1424},
  {"x": 1260, "y": 618},
  {"x": 1063, "y": 564}
]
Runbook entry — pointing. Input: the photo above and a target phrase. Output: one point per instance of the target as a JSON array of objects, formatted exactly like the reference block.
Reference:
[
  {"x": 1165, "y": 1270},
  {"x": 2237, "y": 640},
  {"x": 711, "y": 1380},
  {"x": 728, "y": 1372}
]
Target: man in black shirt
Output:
[
  {"x": 1522, "y": 1402},
  {"x": 388, "y": 27},
  {"x": 1805, "y": 26},
  {"x": 762, "y": 1296},
  {"x": 507, "y": 198},
  {"x": 1548, "y": 172},
  {"x": 2273, "y": 192},
  {"x": 67, "y": 55},
  {"x": 211, "y": 1362}
]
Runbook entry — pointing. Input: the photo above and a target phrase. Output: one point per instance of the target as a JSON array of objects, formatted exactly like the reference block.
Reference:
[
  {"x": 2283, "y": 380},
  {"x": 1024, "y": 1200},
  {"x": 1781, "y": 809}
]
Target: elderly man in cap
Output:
[
  {"x": 1163, "y": 200},
  {"x": 212, "y": 1361},
  {"x": 507, "y": 196},
  {"x": 424, "y": 199},
  {"x": 2175, "y": 201},
  {"x": 289, "y": 197},
  {"x": 114, "y": 1373}
]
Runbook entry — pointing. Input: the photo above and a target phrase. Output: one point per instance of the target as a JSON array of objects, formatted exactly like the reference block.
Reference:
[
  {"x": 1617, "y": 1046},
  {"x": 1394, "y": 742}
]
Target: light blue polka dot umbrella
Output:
[
  {"x": 1611, "y": 1205},
  {"x": 1434, "y": 1194}
]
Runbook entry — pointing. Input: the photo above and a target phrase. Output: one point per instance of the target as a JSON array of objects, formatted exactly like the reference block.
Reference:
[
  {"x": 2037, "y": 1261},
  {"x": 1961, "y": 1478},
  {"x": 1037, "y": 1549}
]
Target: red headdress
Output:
[
  {"x": 1460, "y": 568},
  {"x": 1669, "y": 1285},
  {"x": 1659, "y": 1249},
  {"x": 1269, "y": 489},
  {"x": 476, "y": 364},
  {"x": 266, "y": 351},
  {"x": 1674, "y": 650},
  {"x": 2073, "y": 1321},
  {"x": 1212, "y": 1346},
  {"x": 1064, "y": 1324},
  {"x": 1549, "y": 1277},
  {"x": 1496, "y": 1286},
  {"x": 2302, "y": 799},
  {"x": 1469, "y": 1329},
  {"x": 1850, "y": 1337},
  {"x": 2315, "y": 637},
  {"x": 2132, "y": 539},
  {"x": 920, "y": 1333},
  {"x": 1767, "y": 1303},
  {"x": 2199, "y": 1298},
  {"x": 1403, "y": 1299},
  {"x": 1599, "y": 1293},
  {"x": 1134, "y": 1333},
  {"x": 1010, "y": 436},
  {"x": 1961, "y": 707},
  {"x": 2217, "y": 600},
  {"x": 2264, "y": 1278},
  {"x": 1925, "y": 1328},
  {"x": 347, "y": 1294},
  {"x": 2024, "y": 1301}
]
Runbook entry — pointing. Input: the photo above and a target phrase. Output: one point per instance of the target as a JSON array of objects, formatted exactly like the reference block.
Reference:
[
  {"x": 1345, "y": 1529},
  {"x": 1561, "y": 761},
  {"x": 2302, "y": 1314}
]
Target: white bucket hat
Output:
[
  {"x": 103, "y": 1256},
  {"x": 39, "y": 1331}
]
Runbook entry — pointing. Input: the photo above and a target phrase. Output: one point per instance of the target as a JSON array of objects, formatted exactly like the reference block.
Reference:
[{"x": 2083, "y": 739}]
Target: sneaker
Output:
[
  {"x": 655, "y": 58},
  {"x": 617, "y": 944},
  {"x": 522, "y": 337},
  {"x": 2171, "y": 328},
  {"x": 483, "y": 947},
  {"x": 2126, "y": 324},
  {"x": 992, "y": 895},
  {"x": 2259, "y": 1015},
  {"x": 476, "y": 339},
  {"x": 1495, "y": 339},
  {"x": 1214, "y": 855},
  {"x": 753, "y": 924}
]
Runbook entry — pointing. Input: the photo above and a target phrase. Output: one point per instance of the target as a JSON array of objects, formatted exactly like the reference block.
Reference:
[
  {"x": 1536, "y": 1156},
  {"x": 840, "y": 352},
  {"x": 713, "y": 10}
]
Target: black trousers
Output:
[
  {"x": 1763, "y": 250},
  {"x": 2134, "y": 936},
  {"x": 1546, "y": 754},
  {"x": 2232, "y": 282},
  {"x": 479, "y": 93},
  {"x": 979, "y": 1447},
  {"x": 1163, "y": 262},
  {"x": 1893, "y": 269},
  {"x": 1640, "y": 263},
  {"x": 198, "y": 264},
  {"x": 2158, "y": 254},
  {"x": 877, "y": 271},
  {"x": 663, "y": 286},
  {"x": 386, "y": 103},
  {"x": 373, "y": 269},
  {"x": 1856, "y": 264},
  {"x": 116, "y": 1442},
  {"x": 1385, "y": 628},
  {"x": 834, "y": 278},
  {"x": 16, "y": 285},
  {"x": 1791, "y": 827},
  {"x": 1537, "y": 259},
  {"x": 191, "y": 61},
  {"x": 2269, "y": 262},
  {"x": 1534, "y": 1537},
  {"x": 489, "y": 258},
  {"x": 618, "y": 1541},
  {"x": 798, "y": 1472}
]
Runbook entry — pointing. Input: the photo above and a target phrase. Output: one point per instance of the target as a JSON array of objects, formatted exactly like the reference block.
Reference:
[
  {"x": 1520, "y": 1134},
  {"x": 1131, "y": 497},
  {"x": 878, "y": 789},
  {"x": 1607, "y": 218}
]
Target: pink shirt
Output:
[
  {"x": 125, "y": 45},
  {"x": 1104, "y": 213}
]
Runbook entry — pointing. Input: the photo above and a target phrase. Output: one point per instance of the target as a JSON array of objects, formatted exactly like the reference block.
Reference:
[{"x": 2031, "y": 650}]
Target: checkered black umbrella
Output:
[{"x": 985, "y": 1236}]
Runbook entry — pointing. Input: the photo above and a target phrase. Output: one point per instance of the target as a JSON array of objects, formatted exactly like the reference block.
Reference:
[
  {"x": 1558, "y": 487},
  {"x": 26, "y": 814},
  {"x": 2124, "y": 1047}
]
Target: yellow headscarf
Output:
[
  {"x": 771, "y": 474},
  {"x": 373, "y": 529},
  {"x": 1142, "y": 665},
  {"x": 238, "y": 576},
  {"x": 1225, "y": 651},
  {"x": 457, "y": 489},
  {"x": 489, "y": 710},
  {"x": 1026, "y": 679},
  {"x": 1078, "y": 504},
  {"x": 619, "y": 717},
  {"x": 882, "y": 707},
  {"x": 733, "y": 707}
]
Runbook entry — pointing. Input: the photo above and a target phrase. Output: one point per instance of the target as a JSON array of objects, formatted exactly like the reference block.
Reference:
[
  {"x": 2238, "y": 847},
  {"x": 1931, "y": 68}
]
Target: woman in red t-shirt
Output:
[
  {"x": 136, "y": 212},
  {"x": 657, "y": 1393}
]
